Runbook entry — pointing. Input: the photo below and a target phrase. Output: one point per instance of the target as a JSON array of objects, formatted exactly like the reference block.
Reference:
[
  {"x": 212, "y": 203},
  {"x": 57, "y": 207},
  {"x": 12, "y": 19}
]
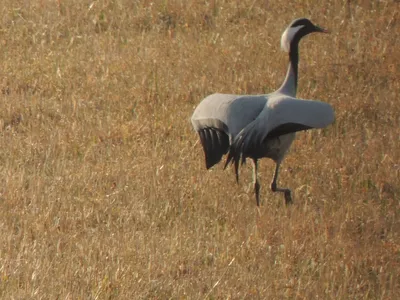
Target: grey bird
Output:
[{"x": 257, "y": 126}]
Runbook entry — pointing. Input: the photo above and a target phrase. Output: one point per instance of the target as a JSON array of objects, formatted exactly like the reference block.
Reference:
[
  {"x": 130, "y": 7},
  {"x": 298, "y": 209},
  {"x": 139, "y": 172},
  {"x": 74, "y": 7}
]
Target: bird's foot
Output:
[{"x": 288, "y": 197}]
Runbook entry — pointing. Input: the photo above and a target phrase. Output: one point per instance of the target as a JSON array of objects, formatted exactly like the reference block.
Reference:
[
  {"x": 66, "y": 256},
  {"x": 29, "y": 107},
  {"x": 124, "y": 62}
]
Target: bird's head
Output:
[{"x": 296, "y": 30}]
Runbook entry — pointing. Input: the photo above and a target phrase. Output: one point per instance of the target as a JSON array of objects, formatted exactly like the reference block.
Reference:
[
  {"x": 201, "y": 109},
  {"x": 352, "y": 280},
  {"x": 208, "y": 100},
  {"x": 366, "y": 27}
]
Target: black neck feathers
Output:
[{"x": 294, "y": 60}]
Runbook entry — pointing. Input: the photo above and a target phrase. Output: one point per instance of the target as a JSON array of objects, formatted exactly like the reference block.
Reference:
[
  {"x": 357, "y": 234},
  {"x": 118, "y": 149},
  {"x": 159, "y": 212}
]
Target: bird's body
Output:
[
  {"x": 229, "y": 114},
  {"x": 257, "y": 126}
]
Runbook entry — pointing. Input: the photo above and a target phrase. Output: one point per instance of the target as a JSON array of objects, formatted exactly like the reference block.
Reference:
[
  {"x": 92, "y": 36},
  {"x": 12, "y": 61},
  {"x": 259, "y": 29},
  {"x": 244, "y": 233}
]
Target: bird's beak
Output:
[{"x": 322, "y": 30}]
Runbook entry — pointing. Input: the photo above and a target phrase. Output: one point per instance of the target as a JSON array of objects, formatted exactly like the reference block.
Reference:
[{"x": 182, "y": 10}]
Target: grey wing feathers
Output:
[
  {"x": 310, "y": 113},
  {"x": 230, "y": 113},
  {"x": 215, "y": 144}
]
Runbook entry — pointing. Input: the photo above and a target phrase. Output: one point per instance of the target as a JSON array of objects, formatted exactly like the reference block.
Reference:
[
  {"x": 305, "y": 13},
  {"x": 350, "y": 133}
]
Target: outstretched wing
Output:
[
  {"x": 289, "y": 115},
  {"x": 281, "y": 115}
]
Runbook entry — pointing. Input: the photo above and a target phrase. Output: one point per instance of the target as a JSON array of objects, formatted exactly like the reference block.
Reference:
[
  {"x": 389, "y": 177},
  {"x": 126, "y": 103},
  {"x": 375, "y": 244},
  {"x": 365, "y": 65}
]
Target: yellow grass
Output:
[{"x": 104, "y": 192}]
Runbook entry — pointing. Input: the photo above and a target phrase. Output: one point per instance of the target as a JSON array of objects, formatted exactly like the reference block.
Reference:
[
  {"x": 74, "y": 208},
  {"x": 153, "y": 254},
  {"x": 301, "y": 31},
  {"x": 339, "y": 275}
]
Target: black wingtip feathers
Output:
[{"x": 215, "y": 144}]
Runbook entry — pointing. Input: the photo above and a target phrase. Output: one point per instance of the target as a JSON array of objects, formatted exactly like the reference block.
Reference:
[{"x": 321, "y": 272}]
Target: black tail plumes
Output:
[{"x": 237, "y": 154}]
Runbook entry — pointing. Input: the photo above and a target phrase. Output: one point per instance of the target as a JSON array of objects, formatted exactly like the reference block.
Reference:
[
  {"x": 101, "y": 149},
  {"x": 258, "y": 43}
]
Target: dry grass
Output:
[{"x": 104, "y": 193}]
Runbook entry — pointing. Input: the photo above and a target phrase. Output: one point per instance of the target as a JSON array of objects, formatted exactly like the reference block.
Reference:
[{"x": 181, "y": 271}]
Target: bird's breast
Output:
[{"x": 276, "y": 148}]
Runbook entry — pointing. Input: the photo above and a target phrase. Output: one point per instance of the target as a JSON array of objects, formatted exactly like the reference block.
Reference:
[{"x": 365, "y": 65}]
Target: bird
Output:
[{"x": 264, "y": 125}]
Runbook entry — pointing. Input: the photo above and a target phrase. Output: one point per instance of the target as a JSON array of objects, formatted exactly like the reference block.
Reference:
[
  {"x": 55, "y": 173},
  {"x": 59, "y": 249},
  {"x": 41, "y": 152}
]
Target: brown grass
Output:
[{"x": 104, "y": 193}]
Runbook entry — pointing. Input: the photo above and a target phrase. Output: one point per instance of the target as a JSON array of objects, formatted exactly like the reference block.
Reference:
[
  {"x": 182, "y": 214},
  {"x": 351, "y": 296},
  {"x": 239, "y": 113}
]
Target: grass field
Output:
[{"x": 104, "y": 192}]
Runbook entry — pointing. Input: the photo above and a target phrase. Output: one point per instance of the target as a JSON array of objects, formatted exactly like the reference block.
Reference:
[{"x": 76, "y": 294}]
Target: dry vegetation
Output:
[{"x": 104, "y": 193}]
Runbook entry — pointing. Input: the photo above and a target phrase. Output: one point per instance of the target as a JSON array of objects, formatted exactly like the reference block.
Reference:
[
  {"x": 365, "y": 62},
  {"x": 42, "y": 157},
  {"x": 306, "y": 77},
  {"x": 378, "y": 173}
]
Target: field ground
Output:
[{"x": 104, "y": 193}]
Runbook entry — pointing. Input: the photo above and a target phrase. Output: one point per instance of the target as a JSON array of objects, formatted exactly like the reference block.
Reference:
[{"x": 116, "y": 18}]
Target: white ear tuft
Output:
[{"x": 287, "y": 37}]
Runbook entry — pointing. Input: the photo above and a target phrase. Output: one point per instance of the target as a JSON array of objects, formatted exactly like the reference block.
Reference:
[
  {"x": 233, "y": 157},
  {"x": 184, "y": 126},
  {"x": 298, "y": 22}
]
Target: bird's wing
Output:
[
  {"x": 230, "y": 113},
  {"x": 219, "y": 117},
  {"x": 288, "y": 115},
  {"x": 281, "y": 115}
]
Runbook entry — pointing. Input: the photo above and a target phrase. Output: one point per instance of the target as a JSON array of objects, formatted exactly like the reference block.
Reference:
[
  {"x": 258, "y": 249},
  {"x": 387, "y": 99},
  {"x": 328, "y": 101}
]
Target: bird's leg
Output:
[
  {"x": 255, "y": 181},
  {"x": 274, "y": 188}
]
